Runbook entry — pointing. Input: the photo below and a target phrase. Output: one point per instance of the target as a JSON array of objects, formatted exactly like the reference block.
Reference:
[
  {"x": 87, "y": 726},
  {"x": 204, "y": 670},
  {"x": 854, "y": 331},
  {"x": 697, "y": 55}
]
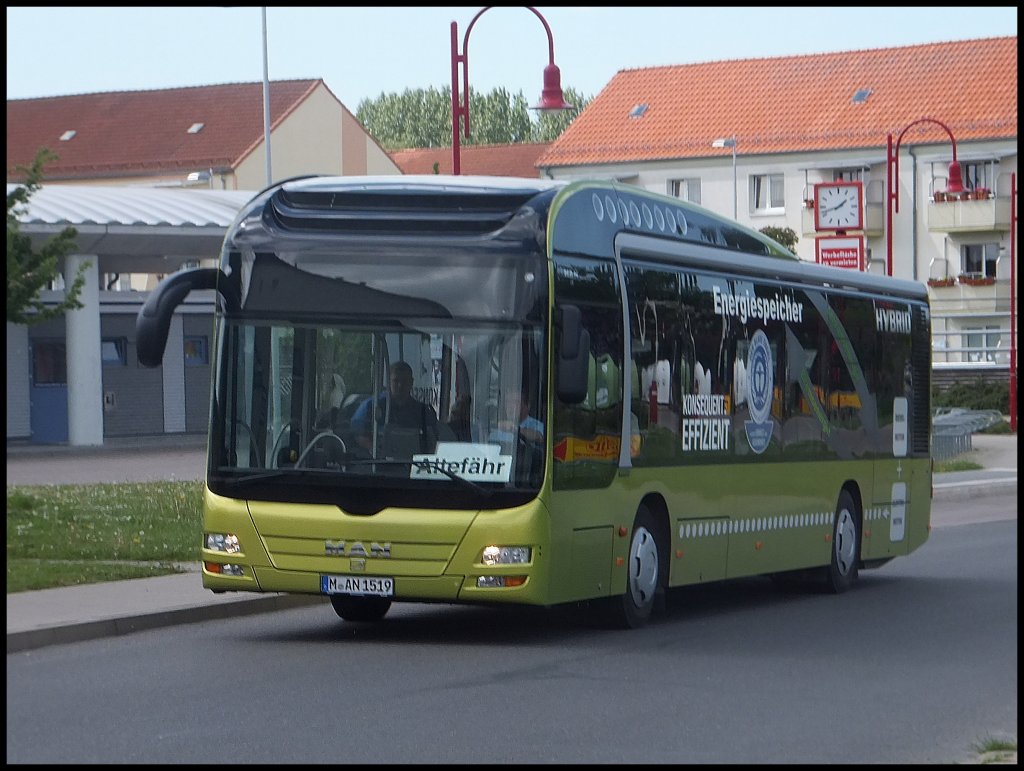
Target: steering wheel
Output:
[{"x": 313, "y": 442}]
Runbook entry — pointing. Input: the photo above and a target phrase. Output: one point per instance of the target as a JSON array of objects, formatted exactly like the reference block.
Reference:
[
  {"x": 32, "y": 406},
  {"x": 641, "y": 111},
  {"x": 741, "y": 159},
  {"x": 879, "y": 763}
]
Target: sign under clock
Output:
[
  {"x": 840, "y": 251},
  {"x": 839, "y": 206}
]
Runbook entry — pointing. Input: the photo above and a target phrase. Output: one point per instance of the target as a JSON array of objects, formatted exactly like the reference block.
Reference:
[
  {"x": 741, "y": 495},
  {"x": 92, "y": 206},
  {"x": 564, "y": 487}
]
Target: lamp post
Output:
[
  {"x": 892, "y": 167},
  {"x": 551, "y": 99},
  {"x": 730, "y": 142},
  {"x": 1013, "y": 302},
  {"x": 266, "y": 100}
]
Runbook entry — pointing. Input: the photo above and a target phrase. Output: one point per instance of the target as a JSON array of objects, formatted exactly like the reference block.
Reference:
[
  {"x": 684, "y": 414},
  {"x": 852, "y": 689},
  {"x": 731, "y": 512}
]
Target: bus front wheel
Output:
[
  {"x": 645, "y": 574},
  {"x": 360, "y": 608},
  {"x": 842, "y": 572}
]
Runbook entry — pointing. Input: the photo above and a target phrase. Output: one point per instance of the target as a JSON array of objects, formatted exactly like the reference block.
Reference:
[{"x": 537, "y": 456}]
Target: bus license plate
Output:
[{"x": 374, "y": 586}]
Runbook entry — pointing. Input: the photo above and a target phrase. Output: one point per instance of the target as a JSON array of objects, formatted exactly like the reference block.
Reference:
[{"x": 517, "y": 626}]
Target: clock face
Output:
[{"x": 838, "y": 207}]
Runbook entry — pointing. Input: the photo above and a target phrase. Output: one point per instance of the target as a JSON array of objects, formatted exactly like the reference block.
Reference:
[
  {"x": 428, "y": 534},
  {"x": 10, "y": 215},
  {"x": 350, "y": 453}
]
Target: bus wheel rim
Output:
[
  {"x": 845, "y": 546},
  {"x": 643, "y": 567}
]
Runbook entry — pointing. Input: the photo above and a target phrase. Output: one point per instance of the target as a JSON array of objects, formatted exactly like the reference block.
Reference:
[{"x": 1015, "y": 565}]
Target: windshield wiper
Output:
[{"x": 277, "y": 473}]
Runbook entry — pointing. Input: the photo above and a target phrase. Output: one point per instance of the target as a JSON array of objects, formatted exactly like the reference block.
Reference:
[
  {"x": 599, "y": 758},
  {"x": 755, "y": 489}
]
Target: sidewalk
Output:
[
  {"x": 997, "y": 454},
  {"x": 53, "y": 616}
]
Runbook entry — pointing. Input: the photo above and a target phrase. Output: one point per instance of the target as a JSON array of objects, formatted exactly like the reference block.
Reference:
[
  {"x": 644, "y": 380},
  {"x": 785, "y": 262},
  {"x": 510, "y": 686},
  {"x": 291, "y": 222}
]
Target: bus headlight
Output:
[
  {"x": 225, "y": 542},
  {"x": 506, "y": 555}
]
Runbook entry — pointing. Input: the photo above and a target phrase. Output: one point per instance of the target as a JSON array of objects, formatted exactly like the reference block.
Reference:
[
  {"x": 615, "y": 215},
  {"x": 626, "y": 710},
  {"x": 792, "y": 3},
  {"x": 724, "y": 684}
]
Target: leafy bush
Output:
[
  {"x": 978, "y": 395},
  {"x": 785, "y": 236}
]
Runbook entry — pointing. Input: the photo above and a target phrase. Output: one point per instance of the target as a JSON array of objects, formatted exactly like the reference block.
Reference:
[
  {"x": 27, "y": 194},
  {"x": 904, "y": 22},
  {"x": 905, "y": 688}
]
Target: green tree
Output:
[
  {"x": 420, "y": 118},
  {"x": 785, "y": 236},
  {"x": 551, "y": 125},
  {"x": 29, "y": 271},
  {"x": 423, "y": 118},
  {"x": 498, "y": 118}
]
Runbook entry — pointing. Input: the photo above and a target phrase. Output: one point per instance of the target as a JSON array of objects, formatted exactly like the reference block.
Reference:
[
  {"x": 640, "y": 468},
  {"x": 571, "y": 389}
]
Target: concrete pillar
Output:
[
  {"x": 174, "y": 377},
  {"x": 19, "y": 425},
  {"x": 85, "y": 366}
]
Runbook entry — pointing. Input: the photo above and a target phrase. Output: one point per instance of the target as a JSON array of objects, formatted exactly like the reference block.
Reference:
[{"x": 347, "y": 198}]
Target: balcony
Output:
[
  {"x": 980, "y": 295},
  {"x": 977, "y": 210}
]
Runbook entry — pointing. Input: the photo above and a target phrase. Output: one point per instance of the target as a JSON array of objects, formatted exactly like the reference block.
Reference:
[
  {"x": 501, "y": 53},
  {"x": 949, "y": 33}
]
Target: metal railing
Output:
[
  {"x": 953, "y": 427},
  {"x": 976, "y": 345}
]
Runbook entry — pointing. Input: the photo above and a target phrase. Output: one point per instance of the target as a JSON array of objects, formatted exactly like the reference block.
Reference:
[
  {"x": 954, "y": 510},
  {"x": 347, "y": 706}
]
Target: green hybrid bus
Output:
[{"x": 495, "y": 390}]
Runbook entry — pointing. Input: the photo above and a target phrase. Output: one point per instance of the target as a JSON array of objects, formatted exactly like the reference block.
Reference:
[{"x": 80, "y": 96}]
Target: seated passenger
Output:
[{"x": 515, "y": 416}]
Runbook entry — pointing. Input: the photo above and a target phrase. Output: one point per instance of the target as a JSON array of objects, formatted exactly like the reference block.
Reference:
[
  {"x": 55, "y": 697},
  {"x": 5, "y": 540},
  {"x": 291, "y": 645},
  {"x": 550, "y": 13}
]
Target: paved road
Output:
[{"x": 914, "y": 665}]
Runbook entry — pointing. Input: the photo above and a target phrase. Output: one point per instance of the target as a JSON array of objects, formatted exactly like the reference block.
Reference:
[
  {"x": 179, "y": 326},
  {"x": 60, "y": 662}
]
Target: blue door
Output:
[{"x": 49, "y": 393}]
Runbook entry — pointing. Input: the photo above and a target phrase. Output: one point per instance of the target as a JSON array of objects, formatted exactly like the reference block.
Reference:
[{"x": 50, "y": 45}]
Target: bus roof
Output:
[{"x": 422, "y": 205}]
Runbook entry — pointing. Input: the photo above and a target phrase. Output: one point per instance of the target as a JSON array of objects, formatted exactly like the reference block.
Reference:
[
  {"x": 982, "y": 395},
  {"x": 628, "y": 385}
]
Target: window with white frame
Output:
[
  {"x": 981, "y": 344},
  {"x": 978, "y": 174},
  {"x": 979, "y": 260},
  {"x": 688, "y": 189},
  {"x": 767, "y": 193},
  {"x": 114, "y": 351},
  {"x": 848, "y": 175}
]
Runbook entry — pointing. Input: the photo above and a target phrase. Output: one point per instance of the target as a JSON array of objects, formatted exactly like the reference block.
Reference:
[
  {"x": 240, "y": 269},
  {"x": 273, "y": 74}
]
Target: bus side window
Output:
[{"x": 585, "y": 434}]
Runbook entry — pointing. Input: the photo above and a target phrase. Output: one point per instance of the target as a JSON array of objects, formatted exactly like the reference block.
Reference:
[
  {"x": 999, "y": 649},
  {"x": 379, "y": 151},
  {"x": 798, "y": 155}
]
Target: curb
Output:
[
  {"x": 969, "y": 490},
  {"x": 113, "y": 627}
]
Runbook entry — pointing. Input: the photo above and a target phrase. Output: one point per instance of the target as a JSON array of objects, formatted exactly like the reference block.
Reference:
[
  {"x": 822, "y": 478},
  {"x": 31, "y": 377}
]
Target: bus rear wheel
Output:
[
  {"x": 645, "y": 574},
  {"x": 843, "y": 570},
  {"x": 360, "y": 608}
]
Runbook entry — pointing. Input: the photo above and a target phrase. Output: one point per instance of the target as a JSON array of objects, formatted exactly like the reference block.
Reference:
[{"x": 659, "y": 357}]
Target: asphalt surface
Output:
[{"x": 53, "y": 616}]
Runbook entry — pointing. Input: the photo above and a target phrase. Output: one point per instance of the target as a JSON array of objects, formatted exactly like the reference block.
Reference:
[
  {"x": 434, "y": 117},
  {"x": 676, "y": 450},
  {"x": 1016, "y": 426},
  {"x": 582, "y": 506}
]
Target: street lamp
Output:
[
  {"x": 1013, "y": 302},
  {"x": 730, "y": 142},
  {"x": 551, "y": 99},
  {"x": 266, "y": 101},
  {"x": 955, "y": 183}
]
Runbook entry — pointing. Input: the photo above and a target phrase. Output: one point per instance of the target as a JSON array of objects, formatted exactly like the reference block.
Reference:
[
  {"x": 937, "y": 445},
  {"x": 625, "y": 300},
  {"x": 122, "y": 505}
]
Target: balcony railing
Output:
[
  {"x": 979, "y": 210},
  {"x": 954, "y": 341}
]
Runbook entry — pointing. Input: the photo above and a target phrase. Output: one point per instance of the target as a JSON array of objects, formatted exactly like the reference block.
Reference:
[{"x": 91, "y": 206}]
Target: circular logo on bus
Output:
[{"x": 760, "y": 377}]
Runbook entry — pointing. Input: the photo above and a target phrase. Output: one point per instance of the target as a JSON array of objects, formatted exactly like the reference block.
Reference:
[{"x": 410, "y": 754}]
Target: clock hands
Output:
[{"x": 839, "y": 208}]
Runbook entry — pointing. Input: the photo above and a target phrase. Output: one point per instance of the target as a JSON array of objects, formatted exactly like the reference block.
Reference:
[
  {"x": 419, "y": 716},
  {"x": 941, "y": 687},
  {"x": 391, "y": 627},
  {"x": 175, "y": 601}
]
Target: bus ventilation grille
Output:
[
  {"x": 921, "y": 368},
  {"x": 394, "y": 212}
]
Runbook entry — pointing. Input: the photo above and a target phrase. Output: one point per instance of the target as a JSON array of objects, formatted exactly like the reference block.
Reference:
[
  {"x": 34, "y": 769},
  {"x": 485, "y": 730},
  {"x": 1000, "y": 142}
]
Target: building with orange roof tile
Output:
[
  {"x": 150, "y": 180},
  {"x": 756, "y": 136},
  {"x": 518, "y": 160},
  {"x": 212, "y": 136}
]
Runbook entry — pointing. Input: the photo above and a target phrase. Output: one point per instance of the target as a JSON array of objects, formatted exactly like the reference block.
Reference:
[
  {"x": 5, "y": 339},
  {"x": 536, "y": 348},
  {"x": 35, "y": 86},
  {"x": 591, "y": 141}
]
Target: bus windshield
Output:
[{"x": 338, "y": 401}]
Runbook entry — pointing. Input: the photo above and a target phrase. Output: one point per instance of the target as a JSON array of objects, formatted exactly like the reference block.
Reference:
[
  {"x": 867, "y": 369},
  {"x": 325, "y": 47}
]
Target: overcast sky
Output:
[{"x": 363, "y": 52}]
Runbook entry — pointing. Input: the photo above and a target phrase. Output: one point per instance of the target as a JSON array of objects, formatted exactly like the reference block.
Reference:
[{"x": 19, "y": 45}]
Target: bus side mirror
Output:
[
  {"x": 154, "y": 319},
  {"x": 573, "y": 355}
]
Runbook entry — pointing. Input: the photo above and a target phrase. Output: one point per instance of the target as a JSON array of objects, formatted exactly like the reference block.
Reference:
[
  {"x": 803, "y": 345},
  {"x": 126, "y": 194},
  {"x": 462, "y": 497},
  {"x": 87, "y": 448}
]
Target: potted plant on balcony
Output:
[
  {"x": 975, "y": 279},
  {"x": 944, "y": 281},
  {"x": 939, "y": 196},
  {"x": 980, "y": 194}
]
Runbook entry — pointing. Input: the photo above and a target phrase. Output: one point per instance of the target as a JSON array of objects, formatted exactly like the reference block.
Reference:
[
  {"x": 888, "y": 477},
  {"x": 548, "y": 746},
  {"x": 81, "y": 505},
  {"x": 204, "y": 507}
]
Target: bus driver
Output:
[{"x": 401, "y": 411}]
